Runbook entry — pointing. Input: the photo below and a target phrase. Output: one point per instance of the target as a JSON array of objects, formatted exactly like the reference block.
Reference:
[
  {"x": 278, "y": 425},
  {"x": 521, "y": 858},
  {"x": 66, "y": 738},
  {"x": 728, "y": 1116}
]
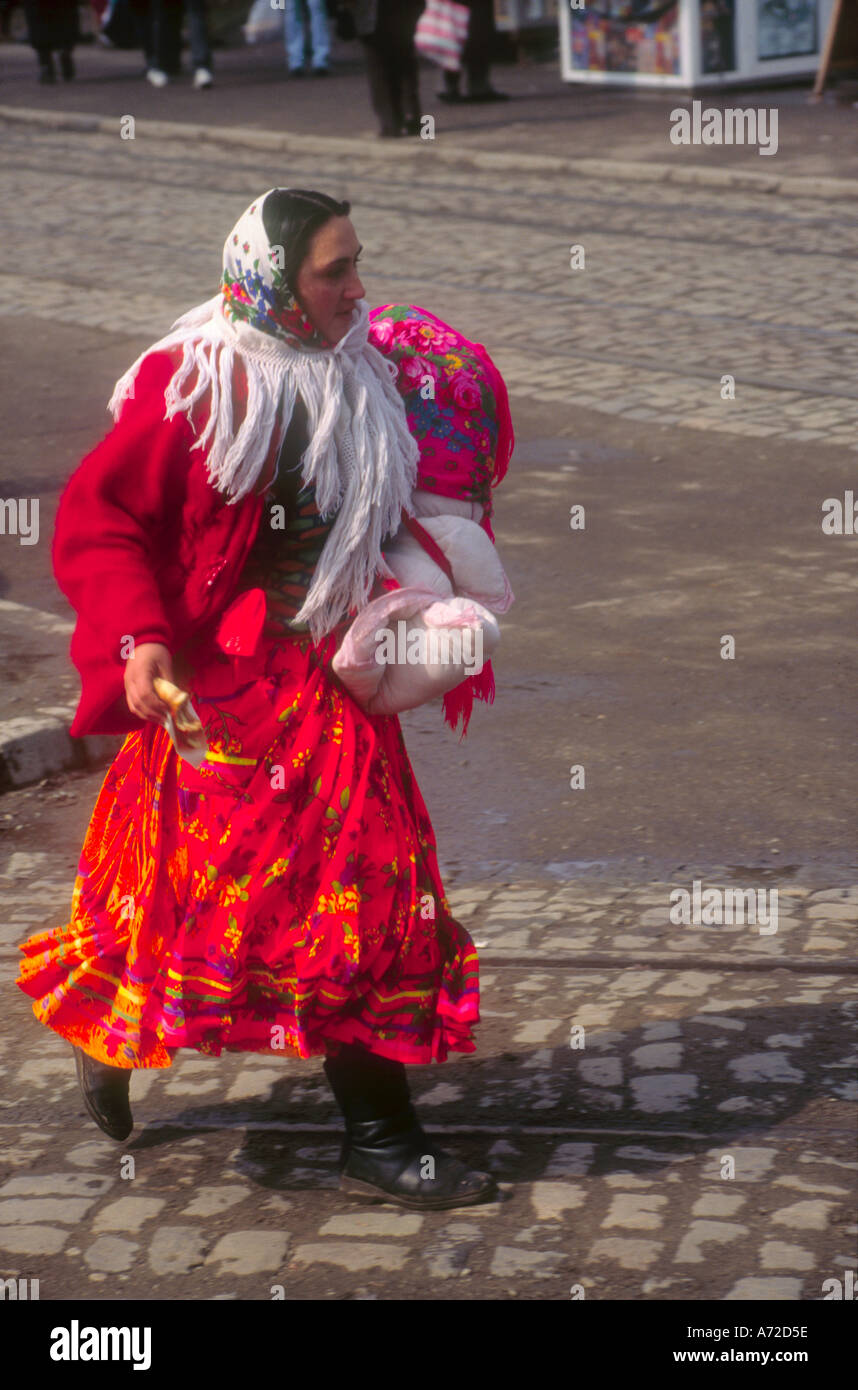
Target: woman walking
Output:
[{"x": 284, "y": 893}]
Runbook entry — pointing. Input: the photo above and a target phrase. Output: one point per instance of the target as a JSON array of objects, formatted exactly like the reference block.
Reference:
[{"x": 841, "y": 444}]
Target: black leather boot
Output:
[
  {"x": 386, "y": 1155},
  {"x": 105, "y": 1094},
  {"x": 392, "y": 1159}
]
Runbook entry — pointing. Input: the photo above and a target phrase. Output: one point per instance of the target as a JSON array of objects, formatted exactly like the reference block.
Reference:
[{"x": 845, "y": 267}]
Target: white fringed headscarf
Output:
[{"x": 361, "y": 459}]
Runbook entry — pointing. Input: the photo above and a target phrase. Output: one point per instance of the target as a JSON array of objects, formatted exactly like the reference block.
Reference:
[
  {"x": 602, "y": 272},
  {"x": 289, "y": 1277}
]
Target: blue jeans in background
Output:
[{"x": 293, "y": 23}]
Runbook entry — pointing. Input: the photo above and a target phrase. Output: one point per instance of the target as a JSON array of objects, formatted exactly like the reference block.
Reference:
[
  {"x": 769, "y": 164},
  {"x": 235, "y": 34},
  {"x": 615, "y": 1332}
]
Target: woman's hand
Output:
[{"x": 150, "y": 659}]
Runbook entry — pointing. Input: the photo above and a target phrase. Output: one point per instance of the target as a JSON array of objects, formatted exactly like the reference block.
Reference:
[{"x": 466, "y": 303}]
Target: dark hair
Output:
[{"x": 291, "y": 216}]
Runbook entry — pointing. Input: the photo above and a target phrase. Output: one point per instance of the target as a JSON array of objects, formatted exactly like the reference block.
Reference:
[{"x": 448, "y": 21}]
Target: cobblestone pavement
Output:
[
  {"x": 625, "y": 1064},
  {"x": 679, "y": 289},
  {"x": 701, "y": 1056}
]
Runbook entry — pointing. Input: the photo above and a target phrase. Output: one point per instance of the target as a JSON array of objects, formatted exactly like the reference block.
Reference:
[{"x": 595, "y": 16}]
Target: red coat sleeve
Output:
[{"x": 113, "y": 522}]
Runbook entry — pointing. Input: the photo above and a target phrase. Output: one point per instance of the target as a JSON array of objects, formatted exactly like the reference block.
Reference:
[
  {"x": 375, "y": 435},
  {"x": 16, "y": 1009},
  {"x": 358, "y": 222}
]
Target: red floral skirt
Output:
[{"x": 283, "y": 896}]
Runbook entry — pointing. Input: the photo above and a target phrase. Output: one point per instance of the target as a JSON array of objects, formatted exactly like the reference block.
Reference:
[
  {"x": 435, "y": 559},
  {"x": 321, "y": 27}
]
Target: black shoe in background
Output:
[
  {"x": 344, "y": 23},
  {"x": 489, "y": 94}
]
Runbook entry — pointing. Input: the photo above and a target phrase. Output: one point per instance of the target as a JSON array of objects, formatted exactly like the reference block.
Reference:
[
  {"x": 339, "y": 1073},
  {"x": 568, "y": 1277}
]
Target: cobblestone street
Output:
[
  {"x": 610, "y": 1153},
  {"x": 677, "y": 290},
  {"x": 697, "y": 1141}
]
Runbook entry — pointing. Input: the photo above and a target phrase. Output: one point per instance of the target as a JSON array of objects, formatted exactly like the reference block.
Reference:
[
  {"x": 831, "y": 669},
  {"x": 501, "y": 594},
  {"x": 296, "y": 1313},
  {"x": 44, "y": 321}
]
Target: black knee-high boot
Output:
[
  {"x": 105, "y": 1094},
  {"x": 386, "y": 1154},
  {"x": 366, "y": 1087}
]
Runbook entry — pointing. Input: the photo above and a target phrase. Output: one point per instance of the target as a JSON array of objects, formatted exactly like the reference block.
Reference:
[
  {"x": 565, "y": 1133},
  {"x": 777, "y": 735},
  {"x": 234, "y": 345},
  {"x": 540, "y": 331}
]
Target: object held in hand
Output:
[{"x": 187, "y": 731}]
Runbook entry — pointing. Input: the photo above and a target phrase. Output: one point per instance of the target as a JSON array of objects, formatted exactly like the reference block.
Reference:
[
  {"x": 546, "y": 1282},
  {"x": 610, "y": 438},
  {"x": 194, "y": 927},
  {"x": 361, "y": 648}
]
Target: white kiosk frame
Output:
[{"x": 749, "y": 66}]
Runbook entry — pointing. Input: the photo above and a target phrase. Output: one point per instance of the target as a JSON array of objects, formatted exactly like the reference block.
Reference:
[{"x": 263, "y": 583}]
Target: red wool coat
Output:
[{"x": 145, "y": 546}]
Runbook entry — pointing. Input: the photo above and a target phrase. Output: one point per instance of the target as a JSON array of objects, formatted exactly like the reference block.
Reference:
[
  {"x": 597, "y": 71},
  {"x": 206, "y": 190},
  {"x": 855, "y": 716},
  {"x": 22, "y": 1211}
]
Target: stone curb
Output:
[
  {"x": 33, "y": 748},
  {"x": 740, "y": 181}
]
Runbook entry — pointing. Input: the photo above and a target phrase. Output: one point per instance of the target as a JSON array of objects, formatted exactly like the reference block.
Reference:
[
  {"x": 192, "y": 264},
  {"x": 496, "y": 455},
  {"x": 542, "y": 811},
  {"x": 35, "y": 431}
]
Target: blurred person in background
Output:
[
  {"x": 123, "y": 24},
  {"x": 164, "y": 44},
  {"x": 320, "y": 38},
  {"x": 476, "y": 58},
  {"x": 6, "y": 8},
  {"x": 386, "y": 29},
  {"x": 52, "y": 27},
  {"x": 267, "y": 21}
]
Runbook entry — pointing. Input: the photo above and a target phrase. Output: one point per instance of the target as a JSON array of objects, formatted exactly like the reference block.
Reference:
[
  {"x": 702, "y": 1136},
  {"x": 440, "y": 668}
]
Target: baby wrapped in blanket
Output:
[{"x": 432, "y": 627}]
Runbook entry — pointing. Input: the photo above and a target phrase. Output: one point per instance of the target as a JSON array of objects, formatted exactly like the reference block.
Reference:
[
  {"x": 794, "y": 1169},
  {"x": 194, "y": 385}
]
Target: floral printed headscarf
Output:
[
  {"x": 254, "y": 284},
  {"x": 455, "y": 400},
  {"x": 247, "y": 355}
]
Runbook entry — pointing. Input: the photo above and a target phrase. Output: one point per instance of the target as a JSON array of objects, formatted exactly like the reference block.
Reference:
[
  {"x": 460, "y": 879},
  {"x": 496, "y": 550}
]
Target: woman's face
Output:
[{"x": 328, "y": 284}]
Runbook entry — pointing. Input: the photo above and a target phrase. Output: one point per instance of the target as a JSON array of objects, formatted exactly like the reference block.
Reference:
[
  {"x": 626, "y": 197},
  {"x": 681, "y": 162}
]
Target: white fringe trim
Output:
[{"x": 361, "y": 459}]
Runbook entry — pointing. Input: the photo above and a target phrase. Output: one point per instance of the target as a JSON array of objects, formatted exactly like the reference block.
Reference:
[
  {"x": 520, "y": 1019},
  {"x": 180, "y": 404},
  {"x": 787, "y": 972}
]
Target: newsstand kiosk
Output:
[{"x": 690, "y": 43}]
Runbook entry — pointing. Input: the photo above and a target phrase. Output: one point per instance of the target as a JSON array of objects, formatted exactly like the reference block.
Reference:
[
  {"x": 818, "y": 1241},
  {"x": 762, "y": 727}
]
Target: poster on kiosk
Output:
[{"x": 690, "y": 43}]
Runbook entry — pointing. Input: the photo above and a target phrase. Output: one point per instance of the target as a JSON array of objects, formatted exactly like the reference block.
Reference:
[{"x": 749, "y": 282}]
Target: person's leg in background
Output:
[
  {"x": 477, "y": 53},
  {"x": 406, "y": 64},
  {"x": 171, "y": 33},
  {"x": 154, "y": 44},
  {"x": 143, "y": 11},
  {"x": 320, "y": 36},
  {"x": 52, "y": 25},
  {"x": 67, "y": 35},
  {"x": 451, "y": 91},
  {"x": 380, "y": 51},
  {"x": 47, "y": 71},
  {"x": 293, "y": 30},
  {"x": 164, "y": 50},
  {"x": 198, "y": 35}
]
